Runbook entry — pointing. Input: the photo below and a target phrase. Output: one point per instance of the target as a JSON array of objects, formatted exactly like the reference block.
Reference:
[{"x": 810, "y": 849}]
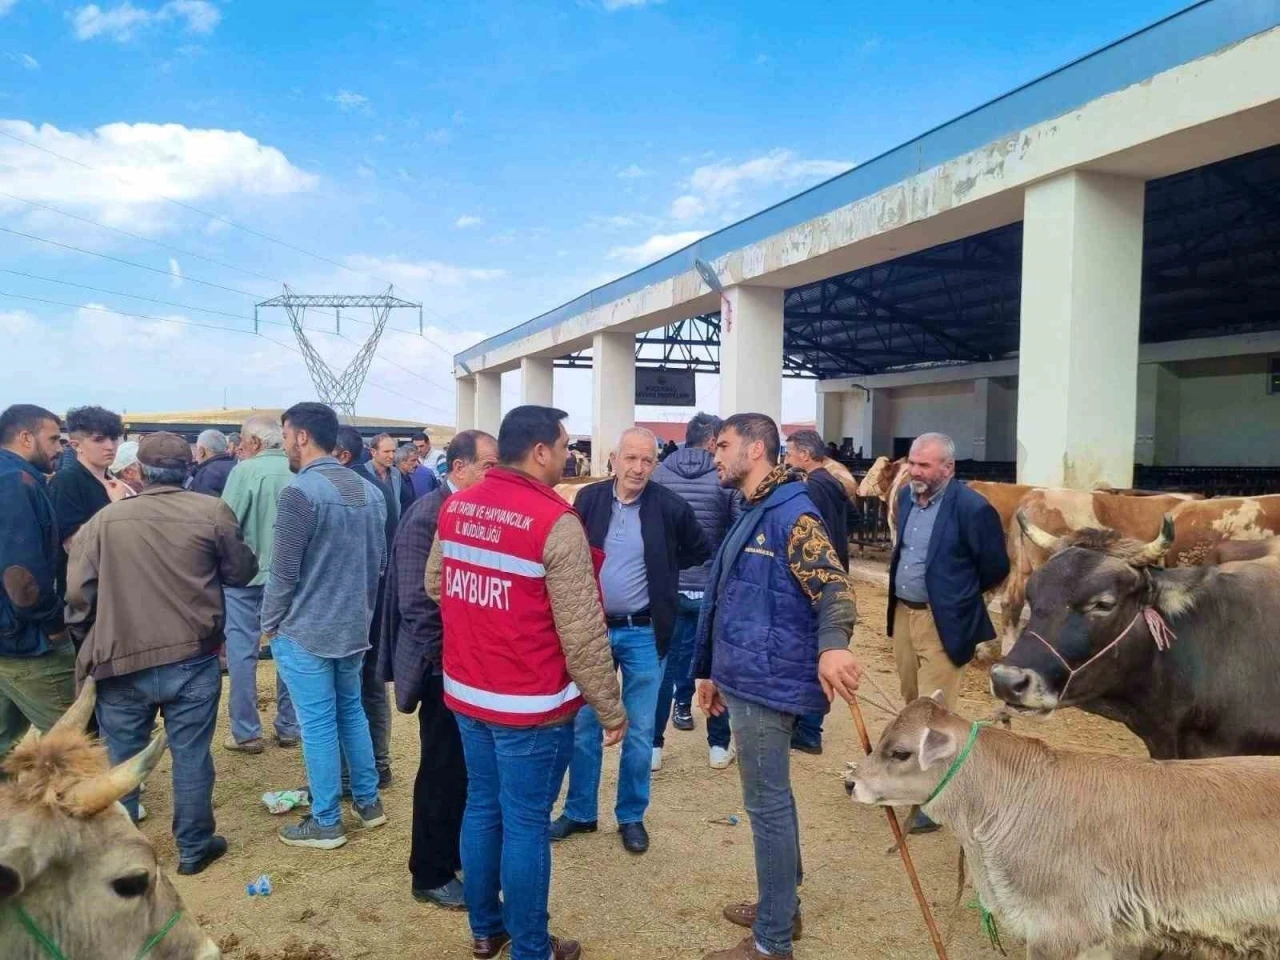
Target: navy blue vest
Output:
[{"x": 757, "y": 635}]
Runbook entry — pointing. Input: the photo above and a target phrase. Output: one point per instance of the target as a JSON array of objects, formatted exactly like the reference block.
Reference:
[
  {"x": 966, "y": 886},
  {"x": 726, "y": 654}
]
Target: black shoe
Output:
[
  {"x": 806, "y": 746},
  {"x": 635, "y": 838},
  {"x": 216, "y": 848},
  {"x": 384, "y": 778},
  {"x": 682, "y": 717},
  {"x": 450, "y": 895},
  {"x": 562, "y": 828},
  {"x": 921, "y": 824}
]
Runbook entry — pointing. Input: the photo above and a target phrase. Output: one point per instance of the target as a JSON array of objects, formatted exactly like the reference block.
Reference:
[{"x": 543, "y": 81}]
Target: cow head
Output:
[
  {"x": 912, "y": 756},
  {"x": 1095, "y": 586},
  {"x": 74, "y": 863},
  {"x": 879, "y": 478}
]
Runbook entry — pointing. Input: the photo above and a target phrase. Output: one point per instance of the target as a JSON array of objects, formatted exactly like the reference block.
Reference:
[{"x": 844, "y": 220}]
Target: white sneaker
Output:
[
  {"x": 720, "y": 757},
  {"x": 655, "y": 762}
]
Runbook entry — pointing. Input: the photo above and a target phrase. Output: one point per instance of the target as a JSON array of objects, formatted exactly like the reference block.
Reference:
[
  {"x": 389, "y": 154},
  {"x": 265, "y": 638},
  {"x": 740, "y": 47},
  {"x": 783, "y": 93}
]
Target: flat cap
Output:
[{"x": 168, "y": 451}]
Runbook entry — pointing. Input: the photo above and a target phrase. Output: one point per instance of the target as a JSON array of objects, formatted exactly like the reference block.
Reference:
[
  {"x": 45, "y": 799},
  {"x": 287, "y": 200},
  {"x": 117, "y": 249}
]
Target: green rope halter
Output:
[
  {"x": 957, "y": 763},
  {"x": 51, "y": 949}
]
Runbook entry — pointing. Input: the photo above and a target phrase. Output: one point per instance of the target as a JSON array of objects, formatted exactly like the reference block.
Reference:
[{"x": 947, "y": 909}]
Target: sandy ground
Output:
[{"x": 355, "y": 902}]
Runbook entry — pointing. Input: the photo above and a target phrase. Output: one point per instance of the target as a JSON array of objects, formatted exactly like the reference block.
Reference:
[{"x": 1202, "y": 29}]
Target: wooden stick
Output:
[{"x": 896, "y": 829}]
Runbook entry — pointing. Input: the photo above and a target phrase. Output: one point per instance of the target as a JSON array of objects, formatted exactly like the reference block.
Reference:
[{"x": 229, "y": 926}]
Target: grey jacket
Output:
[
  {"x": 330, "y": 551},
  {"x": 691, "y": 472}
]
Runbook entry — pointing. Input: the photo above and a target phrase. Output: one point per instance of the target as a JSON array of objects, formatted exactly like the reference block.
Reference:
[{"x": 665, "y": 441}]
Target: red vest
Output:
[{"x": 502, "y": 657}]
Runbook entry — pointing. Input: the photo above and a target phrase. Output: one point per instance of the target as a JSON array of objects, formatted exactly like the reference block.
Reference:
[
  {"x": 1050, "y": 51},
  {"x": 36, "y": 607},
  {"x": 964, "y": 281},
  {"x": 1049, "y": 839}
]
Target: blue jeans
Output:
[
  {"x": 244, "y": 632},
  {"x": 326, "y": 693},
  {"x": 186, "y": 695},
  {"x": 636, "y": 653},
  {"x": 678, "y": 677},
  {"x": 513, "y": 776},
  {"x": 763, "y": 737}
]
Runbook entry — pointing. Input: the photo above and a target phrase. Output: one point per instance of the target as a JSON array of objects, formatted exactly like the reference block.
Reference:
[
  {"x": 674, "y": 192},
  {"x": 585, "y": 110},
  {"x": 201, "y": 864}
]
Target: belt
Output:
[
  {"x": 914, "y": 604},
  {"x": 641, "y": 619}
]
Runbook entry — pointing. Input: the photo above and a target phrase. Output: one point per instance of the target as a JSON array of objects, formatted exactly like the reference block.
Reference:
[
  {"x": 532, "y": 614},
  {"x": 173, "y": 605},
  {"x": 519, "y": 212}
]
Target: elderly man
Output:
[
  {"x": 327, "y": 562},
  {"x": 691, "y": 473},
  {"x": 410, "y": 654},
  {"x": 380, "y": 468},
  {"x": 252, "y": 492},
  {"x": 37, "y": 661},
  {"x": 156, "y": 648},
  {"x": 525, "y": 646},
  {"x": 648, "y": 535},
  {"x": 214, "y": 461},
  {"x": 407, "y": 464},
  {"x": 950, "y": 549},
  {"x": 772, "y": 645},
  {"x": 125, "y": 466}
]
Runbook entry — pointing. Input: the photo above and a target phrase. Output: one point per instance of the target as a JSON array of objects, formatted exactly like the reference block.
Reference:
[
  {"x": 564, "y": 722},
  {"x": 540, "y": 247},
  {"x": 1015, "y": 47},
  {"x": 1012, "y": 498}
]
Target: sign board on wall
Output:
[{"x": 665, "y": 388}]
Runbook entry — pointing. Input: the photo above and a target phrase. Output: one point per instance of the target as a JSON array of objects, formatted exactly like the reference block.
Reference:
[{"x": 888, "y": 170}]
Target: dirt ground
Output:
[{"x": 355, "y": 902}]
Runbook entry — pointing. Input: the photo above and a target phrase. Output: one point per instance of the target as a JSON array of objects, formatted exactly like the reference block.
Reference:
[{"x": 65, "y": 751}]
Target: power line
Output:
[{"x": 211, "y": 216}]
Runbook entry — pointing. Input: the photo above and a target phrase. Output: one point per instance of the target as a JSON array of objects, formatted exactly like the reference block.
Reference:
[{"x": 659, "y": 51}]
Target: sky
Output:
[{"x": 491, "y": 160}]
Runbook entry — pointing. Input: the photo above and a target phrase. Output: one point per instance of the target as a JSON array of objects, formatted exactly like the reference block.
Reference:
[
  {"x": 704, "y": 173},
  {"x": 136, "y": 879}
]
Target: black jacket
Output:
[
  {"x": 966, "y": 556},
  {"x": 832, "y": 502},
  {"x": 691, "y": 473},
  {"x": 210, "y": 476},
  {"x": 673, "y": 540}
]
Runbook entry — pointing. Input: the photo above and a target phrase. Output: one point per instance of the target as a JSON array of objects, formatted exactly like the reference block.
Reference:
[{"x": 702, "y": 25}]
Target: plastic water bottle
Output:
[{"x": 260, "y": 887}]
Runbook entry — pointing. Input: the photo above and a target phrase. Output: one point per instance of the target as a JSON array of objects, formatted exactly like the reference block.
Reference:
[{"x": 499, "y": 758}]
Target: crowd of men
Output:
[{"x": 528, "y": 635}]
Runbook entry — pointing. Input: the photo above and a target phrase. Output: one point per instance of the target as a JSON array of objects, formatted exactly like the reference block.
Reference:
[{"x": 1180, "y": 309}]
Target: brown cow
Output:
[
  {"x": 1201, "y": 524},
  {"x": 73, "y": 867}
]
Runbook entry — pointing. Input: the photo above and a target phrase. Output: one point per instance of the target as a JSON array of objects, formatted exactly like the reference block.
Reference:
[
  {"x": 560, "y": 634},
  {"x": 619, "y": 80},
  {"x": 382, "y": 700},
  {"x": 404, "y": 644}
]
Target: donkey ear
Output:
[{"x": 935, "y": 745}]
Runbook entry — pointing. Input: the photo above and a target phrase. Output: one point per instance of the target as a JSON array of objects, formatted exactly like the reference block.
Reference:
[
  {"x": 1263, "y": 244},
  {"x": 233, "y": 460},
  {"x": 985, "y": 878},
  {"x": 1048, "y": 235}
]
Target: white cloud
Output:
[
  {"x": 129, "y": 168},
  {"x": 467, "y": 221},
  {"x": 633, "y": 172},
  {"x": 656, "y": 247},
  {"x": 416, "y": 275},
  {"x": 122, "y": 22},
  {"x": 439, "y": 135},
  {"x": 348, "y": 101},
  {"x": 15, "y": 322},
  {"x": 612, "y": 5},
  {"x": 175, "y": 272},
  {"x": 24, "y": 60},
  {"x": 6, "y": 6},
  {"x": 719, "y": 188},
  {"x": 366, "y": 172}
]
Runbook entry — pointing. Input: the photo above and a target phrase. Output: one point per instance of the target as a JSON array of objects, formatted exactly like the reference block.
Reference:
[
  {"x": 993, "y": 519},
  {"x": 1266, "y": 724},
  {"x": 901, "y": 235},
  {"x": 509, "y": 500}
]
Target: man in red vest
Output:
[{"x": 525, "y": 646}]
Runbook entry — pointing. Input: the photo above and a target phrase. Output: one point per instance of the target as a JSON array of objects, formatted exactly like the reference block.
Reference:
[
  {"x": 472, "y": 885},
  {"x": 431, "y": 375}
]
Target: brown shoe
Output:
[
  {"x": 486, "y": 948},
  {"x": 254, "y": 746},
  {"x": 565, "y": 949},
  {"x": 744, "y": 915},
  {"x": 746, "y": 950}
]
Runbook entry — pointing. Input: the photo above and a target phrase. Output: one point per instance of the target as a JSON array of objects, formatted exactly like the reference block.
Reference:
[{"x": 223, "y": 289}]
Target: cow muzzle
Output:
[{"x": 1023, "y": 691}]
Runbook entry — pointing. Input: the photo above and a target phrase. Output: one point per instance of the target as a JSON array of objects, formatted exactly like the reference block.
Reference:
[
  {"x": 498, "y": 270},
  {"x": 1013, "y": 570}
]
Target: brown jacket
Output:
[
  {"x": 575, "y": 606},
  {"x": 145, "y": 577}
]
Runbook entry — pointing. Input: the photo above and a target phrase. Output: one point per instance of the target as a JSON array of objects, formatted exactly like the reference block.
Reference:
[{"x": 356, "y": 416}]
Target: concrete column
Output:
[
  {"x": 488, "y": 402},
  {"x": 1078, "y": 346},
  {"x": 874, "y": 433},
  {"x": 831, "y": 416},
  {"x": 993, "y": 419},
  {"x": 751, "y": 351},
  {"x": 613, "y": 393},
  {"x": 465, "y": 396},
  {"x": 1158, "y": 414},
  {"x": 536, "y": 378}
]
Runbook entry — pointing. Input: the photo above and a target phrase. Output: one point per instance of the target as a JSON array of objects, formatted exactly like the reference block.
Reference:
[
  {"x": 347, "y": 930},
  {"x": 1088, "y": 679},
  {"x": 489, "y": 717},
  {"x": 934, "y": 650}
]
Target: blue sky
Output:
[{"x": 490, "y": 159}]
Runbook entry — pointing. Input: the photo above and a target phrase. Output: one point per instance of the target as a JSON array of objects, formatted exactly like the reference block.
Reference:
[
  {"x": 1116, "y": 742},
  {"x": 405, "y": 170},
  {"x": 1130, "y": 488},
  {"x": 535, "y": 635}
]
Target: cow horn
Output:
[
  {"x": 1153, "y": 553},
  {"x": 79, "y": 713},
  {"x": 1045, "y": 541},
  {"x": 93, "y": 796}
]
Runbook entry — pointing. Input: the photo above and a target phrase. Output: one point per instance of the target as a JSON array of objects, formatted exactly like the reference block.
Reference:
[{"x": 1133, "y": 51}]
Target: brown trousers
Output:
[{"x": 923, "y": 665}]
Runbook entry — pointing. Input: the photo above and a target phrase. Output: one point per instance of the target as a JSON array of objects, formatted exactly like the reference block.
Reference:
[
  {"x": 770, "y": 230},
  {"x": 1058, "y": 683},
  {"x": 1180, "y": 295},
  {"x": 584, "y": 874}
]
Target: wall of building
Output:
[
  {"x": 937, "y": 407},
  {"x": 1225, "y": 415}
]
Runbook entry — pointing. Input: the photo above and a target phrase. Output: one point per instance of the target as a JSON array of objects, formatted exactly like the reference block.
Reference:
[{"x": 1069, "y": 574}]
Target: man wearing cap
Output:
[
  {"x": 144, "y": 596},
  {"x": 125, "y": 467}
]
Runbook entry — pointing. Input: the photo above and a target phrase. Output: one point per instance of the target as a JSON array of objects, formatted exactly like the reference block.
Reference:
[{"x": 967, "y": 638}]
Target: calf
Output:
[{"x": 1078, "y": 852}]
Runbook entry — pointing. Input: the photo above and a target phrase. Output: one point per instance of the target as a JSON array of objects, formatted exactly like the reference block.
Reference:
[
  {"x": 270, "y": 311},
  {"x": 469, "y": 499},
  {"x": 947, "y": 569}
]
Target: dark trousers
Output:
[{"x": 439, "y": 792}]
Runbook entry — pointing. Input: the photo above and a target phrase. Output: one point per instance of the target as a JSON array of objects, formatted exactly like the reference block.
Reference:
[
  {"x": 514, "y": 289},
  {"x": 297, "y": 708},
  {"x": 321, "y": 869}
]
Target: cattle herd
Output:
[{"x": 1160, "y": 612}]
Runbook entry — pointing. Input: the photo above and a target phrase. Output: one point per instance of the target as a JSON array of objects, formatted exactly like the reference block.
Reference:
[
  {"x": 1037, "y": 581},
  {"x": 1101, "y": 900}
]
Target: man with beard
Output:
[
  {"x": 772, "y": 645},
  {"x": 950, "y": 549},
  {"x": 37, "y": 661}
]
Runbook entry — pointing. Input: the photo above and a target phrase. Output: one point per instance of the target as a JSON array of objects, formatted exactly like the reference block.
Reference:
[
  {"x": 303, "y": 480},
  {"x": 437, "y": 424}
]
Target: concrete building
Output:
[{"x": 1079, "y": 276}]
